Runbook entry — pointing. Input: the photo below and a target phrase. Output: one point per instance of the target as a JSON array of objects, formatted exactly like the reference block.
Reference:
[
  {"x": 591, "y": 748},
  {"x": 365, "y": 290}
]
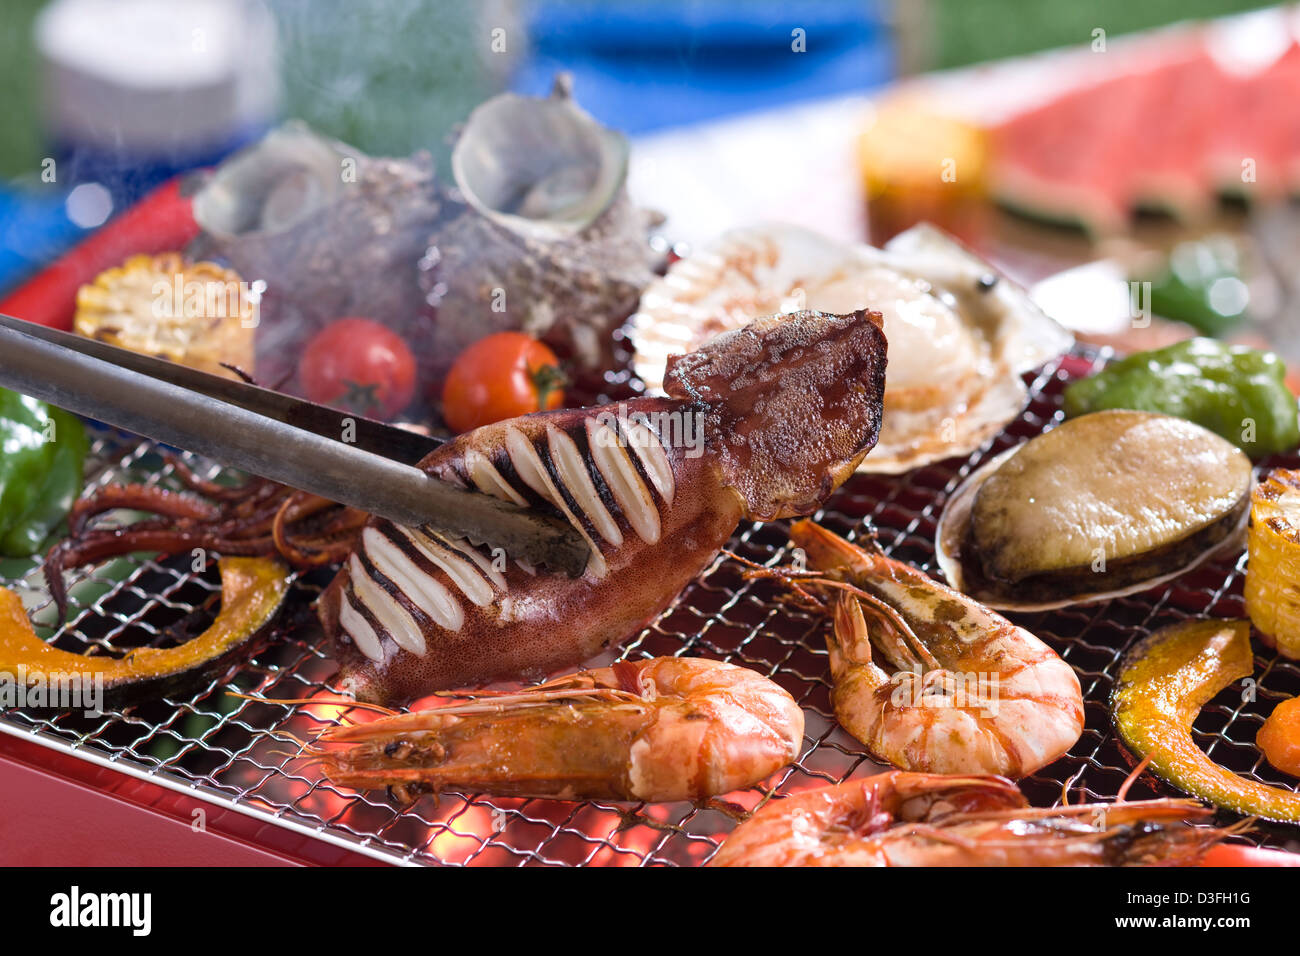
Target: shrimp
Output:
[
  {"x": 661, "y": 729},
  {"x": 897, "y": 818},
  {"x": 971, "y": 692}
]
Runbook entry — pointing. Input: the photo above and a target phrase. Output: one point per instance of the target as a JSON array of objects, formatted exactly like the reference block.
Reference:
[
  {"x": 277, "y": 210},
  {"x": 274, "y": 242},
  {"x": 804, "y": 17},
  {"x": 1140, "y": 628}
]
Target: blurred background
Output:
[
  {"x": 392, "y": 75},
  {"x": 839, "y": 114}
]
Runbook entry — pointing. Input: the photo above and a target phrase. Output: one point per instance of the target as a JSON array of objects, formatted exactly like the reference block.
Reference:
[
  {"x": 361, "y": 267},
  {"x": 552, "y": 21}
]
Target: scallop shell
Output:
[
  {"x": 960, "y": 334},
  {"x": 954, "y": 521}
]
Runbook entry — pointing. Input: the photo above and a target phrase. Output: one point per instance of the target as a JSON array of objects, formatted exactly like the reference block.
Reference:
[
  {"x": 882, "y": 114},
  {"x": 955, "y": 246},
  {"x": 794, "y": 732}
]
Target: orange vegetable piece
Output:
[
  {"x": 252, "y": 590},
  {"x": 1279, "y": 738}
]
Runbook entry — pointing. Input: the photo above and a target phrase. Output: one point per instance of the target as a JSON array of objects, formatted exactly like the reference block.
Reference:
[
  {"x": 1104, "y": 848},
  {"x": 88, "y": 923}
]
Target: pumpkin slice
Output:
[
  {"x": 252, "y": 590},
  {"x": 1165, "y": 681}
]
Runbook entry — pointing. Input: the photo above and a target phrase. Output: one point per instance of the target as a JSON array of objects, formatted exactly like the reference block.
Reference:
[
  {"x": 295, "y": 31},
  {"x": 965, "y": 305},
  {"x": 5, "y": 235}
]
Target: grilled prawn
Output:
[
  {"x": 920, "y": 819},
  {"x": 760, "y": 423},
  {"x": 970, "y": 692},
  {"x": 662, "y": 729}
]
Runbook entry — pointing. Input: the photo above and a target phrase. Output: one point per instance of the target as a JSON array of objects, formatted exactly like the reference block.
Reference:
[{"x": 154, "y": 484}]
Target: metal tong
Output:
[{"x": 340, "y": 456}]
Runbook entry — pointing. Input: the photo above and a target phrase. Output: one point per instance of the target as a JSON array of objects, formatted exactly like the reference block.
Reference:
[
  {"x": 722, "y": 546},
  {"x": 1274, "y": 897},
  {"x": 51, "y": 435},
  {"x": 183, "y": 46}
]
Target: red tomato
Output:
[
  {"x": 502, "y": 376},
  {"x": 358, "y": 365}
]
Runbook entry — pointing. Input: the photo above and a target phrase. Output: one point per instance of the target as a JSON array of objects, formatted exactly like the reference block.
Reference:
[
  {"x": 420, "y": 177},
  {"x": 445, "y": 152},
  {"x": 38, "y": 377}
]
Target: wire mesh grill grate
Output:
[{"x": 239, "y": 753}]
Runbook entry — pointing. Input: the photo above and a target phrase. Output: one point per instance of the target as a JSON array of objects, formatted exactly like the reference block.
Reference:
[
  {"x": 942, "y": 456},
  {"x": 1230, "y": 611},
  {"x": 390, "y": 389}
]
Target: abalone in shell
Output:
[{"x": 1104, "y": 504}]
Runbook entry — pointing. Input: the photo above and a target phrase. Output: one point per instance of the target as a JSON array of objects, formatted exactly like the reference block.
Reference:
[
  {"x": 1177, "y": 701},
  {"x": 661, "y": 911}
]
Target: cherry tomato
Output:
[
  {"x": 358, "y": 365},
  {"x": 498, "y": 377}
]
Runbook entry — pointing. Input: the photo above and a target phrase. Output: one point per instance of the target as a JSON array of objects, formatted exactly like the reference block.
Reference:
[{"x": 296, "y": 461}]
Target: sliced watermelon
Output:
[
  {"x": 1055, "y": 161},
  {"x": 1172, "y": 133},
  {"x": 1259, "y": 122},
  {"x": 1169, "y": 129}
]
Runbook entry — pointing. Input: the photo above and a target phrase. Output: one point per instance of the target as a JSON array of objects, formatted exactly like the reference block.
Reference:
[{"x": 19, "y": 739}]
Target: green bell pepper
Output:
[
  {"x": 42, "y": 460},
  {"x": 1202, "y": 286},
  {"x": 1237, "y": 392}
]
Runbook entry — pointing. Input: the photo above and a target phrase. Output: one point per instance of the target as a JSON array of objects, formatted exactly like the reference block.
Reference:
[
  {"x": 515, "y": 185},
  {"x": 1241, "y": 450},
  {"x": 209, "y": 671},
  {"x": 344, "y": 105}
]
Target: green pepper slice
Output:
[
  {"x": 63, "y": 481},
  {"x": 1236, "y": 392}
]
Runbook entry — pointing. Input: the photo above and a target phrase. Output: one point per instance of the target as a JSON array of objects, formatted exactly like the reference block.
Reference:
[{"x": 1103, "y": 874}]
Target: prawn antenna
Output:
[
  {"x": 1065, "y": 787},
  {"x": 311, "y": 701},
  {"x": 1133, "y": 775}
]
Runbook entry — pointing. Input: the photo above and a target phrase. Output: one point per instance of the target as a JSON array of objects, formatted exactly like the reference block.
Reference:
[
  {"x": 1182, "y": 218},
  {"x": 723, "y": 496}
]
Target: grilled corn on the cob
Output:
[
  {"x": 1273, "y": 574},
  {"x": 195, "y": 313}
]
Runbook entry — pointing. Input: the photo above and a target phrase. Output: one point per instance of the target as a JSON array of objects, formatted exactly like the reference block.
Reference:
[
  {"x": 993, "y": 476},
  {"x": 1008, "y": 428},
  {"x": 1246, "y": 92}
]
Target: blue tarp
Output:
[{"x": 644, "y": 66}]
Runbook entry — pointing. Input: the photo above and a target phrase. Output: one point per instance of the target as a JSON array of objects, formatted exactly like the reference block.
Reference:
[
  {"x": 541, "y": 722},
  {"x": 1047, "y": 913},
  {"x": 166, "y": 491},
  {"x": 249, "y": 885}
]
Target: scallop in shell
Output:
[{"x": 960, "y": 334}]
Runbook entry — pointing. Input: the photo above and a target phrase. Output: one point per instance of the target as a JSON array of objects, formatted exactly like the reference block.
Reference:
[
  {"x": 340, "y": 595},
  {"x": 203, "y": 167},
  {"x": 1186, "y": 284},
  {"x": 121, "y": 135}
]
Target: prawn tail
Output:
[{"x": 849, "y": 640}]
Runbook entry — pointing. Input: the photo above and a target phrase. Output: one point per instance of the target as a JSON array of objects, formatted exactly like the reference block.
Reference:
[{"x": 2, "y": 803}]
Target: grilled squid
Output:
[{"x": 760, "y": 423}]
